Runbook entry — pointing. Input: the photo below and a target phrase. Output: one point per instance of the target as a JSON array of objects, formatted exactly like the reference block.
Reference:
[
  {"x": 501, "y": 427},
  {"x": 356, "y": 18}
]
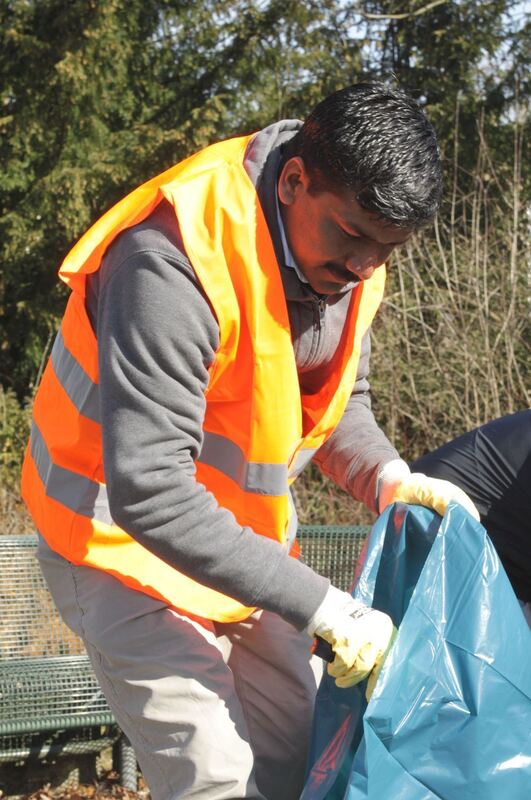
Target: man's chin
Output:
[
  {"x": 332, "y": 279},
  {"x": 333, "y": 286}
]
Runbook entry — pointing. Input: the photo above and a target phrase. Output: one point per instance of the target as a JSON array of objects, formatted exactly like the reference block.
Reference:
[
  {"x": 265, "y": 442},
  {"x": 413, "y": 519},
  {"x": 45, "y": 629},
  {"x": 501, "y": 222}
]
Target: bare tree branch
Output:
[{"x": 405, "y": 14}]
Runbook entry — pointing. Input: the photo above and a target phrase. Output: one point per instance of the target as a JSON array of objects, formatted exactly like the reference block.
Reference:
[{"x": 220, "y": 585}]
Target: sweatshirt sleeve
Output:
[
  {"x": 157, "y": 336},
  {"x": 356, "y": 452}
]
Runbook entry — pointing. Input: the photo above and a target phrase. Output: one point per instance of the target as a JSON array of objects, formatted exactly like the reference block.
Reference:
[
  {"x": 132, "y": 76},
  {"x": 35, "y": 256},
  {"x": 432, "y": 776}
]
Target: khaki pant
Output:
[{"x": 213, "y": 711}]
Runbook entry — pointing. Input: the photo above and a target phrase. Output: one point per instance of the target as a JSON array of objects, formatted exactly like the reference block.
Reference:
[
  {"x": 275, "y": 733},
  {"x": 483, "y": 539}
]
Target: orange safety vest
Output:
[{"x": 259, "y": 431}]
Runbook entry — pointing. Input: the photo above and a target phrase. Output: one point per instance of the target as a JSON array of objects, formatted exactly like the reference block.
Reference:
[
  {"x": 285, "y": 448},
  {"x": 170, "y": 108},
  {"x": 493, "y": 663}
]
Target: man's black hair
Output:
[{"x": 374, "y": 139}]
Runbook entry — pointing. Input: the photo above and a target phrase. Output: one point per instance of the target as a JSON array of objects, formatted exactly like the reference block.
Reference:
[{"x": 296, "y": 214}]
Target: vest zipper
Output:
[{"x": 318, "y": 312}]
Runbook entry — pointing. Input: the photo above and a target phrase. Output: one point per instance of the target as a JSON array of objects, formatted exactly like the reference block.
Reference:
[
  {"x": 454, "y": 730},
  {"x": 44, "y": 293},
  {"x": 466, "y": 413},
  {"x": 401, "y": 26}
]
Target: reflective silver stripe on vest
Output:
[
  {"x": 301, "y": 459},
  {"x": 293, "y": 524},
  {"x": 81, "y": 390},
  {"x": 85, "y": 497},
  {"x": 251, "y": 476}
]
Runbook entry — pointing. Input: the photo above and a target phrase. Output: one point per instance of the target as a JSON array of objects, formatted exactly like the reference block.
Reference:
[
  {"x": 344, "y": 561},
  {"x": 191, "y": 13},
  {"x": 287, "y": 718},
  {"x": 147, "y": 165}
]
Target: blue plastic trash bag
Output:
[{"x": 450, "y": 716}]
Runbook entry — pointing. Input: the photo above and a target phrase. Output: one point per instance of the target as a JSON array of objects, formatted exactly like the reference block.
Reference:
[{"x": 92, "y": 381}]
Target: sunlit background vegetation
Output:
[{"x": 98, "y": 95}]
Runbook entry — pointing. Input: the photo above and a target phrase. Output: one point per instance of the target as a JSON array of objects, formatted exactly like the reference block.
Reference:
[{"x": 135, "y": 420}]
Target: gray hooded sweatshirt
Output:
[{"x": 157, "y": 336}]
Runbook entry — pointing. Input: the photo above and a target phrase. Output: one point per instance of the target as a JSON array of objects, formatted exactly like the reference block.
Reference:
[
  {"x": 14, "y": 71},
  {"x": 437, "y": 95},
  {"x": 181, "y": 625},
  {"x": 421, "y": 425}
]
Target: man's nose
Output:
[
  {"x": 362, "y": 269},
  {"x": 365, "y": 258}
]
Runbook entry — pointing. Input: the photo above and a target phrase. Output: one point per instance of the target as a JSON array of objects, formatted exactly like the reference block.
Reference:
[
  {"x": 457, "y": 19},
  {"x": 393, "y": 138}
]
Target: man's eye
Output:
[{"x": 350, "y": 234}]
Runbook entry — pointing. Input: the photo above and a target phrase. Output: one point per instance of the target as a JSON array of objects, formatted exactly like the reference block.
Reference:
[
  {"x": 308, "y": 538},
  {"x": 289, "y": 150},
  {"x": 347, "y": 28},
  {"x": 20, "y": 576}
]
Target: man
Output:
[
  {"x": 492, "y": 464},
  {"x": 216, "y": 339}
]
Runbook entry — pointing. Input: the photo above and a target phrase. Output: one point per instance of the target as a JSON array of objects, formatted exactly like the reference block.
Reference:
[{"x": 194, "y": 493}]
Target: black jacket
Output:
[{"x": 492, "y": 464}]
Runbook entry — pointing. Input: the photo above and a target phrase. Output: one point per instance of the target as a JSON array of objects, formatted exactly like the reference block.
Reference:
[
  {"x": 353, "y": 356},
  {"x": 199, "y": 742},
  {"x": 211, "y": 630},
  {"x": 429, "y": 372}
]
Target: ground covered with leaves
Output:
[
  {"x": 104, "y": 788},
  {"x": 85, "y": 792}
]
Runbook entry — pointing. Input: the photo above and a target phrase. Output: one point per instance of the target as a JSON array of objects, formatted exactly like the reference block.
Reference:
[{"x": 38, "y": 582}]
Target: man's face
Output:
[{"x": 333, "y": 239}]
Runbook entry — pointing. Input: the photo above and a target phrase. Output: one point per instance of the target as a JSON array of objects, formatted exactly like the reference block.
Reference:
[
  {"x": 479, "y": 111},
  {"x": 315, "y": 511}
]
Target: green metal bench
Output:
[
  {"x": 50, "y": 701},
  {"x": 333, "y": 550}
]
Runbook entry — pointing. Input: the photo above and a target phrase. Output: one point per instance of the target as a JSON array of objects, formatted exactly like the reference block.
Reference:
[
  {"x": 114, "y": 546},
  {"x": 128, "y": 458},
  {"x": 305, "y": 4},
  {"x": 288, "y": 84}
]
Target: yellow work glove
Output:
[
  {"x": 360, "y": 638},
  {"x": 398, "y": 484}
]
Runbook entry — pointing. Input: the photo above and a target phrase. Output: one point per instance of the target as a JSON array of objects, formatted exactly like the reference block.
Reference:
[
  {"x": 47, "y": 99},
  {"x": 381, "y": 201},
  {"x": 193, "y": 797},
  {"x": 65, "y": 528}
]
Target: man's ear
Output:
[{"x": 293, "y": 180}]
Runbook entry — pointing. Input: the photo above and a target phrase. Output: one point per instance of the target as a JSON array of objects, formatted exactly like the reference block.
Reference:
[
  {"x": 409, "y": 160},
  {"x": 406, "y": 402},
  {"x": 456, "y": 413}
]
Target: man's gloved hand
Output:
[
  {"x": 359, "y": 636},
  {"x": 397, "y": 483}
]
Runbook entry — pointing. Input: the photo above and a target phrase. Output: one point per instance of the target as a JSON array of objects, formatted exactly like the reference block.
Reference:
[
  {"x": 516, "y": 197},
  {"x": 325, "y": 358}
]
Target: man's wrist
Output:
[
  {"x": 388, "y": 478},
  {"x": 335, "y": 603}
]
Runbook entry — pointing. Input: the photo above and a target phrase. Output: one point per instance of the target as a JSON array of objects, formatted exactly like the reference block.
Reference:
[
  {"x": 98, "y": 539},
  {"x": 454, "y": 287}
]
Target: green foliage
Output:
[
  {"x": 14, "y": 432},
  {"x": 98, "y": 95}
]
